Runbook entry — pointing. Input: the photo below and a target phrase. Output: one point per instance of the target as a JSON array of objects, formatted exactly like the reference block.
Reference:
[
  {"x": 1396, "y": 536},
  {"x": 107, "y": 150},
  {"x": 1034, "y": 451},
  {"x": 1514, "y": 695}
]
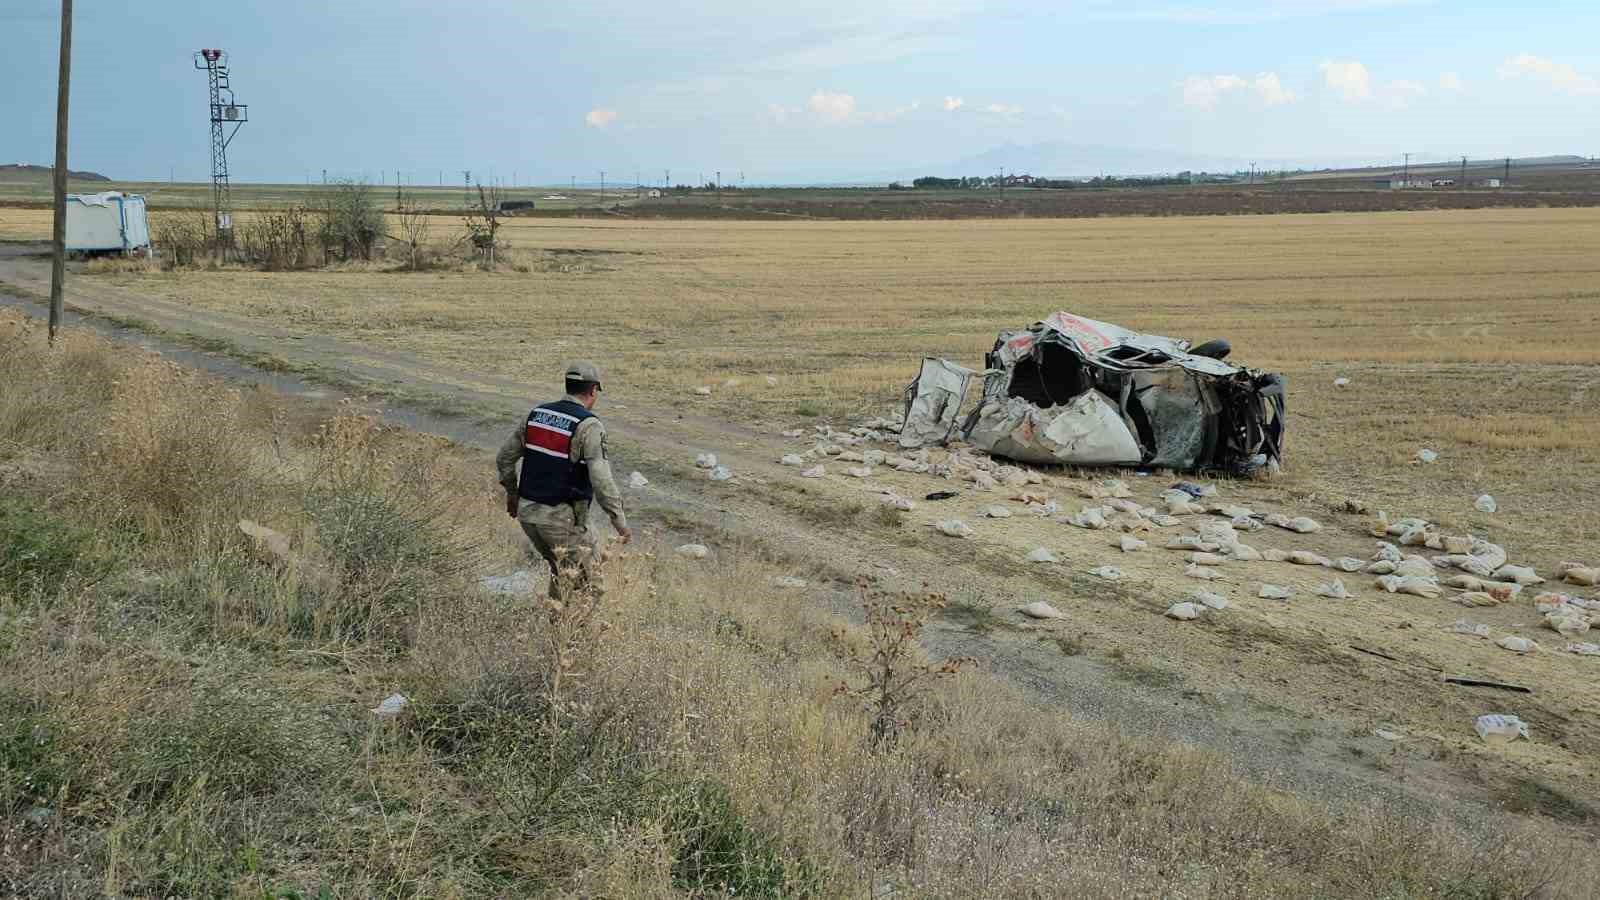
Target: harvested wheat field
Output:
[{"x": 1468, "y": 333}]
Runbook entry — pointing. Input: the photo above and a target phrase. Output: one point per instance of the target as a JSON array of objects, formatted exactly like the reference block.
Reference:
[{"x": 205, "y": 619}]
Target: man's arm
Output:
[
  {"x": 505, "y": 463},
  {"x": 590, "y": 447}
]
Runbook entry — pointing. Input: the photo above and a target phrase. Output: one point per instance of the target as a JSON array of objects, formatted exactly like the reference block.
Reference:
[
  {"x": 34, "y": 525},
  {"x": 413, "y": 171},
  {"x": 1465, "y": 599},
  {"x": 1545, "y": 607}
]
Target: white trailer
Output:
[{"x": 110, "y": 221}]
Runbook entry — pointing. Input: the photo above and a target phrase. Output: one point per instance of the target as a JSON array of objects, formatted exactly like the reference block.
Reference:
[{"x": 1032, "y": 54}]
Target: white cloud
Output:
[
  {"x": 1271, "y": 90},
  {"x": 1558, "y": 75},
  {"x": 1449, "y": 81},
  {"x": 831, "y": 106},
  {"x": 1205, "y": 91},
  {"x": 951, "y": 104},
  {"x": 1003, "y": 109},
  {"x": 600, "y": 118},
  {"x": 1350, "y": 79}
]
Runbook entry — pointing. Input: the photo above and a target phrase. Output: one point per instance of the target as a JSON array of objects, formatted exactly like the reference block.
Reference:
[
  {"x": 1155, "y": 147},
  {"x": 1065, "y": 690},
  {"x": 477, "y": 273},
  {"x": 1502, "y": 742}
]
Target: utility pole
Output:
[
  {"x": 602, "y": 187},
  {"x": 1506, "y": 181},
  {"x": 1463, "y": 185},
  {"x": 719, "y": 186},
  {"x": 1405, "y": 179},
  {"x": 58, "y": 230},
  {"x": 666, "y": 178}
]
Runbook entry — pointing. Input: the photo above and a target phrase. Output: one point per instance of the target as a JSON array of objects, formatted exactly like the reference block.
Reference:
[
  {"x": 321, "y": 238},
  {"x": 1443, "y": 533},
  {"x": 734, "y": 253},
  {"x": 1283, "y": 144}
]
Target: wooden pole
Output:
[{"x": 58, "y": 269}]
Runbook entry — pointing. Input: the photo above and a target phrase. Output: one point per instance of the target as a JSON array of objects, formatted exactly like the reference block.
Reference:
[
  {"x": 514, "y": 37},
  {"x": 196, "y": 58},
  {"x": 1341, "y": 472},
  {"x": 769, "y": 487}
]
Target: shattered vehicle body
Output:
[{"x": 1074, "y": 391}]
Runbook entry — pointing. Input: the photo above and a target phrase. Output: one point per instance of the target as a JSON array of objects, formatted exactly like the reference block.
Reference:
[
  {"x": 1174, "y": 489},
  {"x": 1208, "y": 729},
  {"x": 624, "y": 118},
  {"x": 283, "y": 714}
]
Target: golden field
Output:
[{"x": 1470, "y": 332}]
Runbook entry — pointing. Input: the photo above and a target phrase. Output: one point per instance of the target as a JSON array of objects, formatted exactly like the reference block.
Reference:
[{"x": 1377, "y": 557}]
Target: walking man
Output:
[{"x": 562, "y": 448}]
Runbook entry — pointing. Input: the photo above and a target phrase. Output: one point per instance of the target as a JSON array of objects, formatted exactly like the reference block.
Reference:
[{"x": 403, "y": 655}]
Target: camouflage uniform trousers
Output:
[{"x": 563, "y": 536}]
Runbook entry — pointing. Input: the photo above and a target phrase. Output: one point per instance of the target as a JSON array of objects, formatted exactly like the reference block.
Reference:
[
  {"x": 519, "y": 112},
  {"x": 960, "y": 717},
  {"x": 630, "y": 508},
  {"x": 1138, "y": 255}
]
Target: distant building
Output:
[
  {"x": 1489, "y": 183},
  {"x": 1409, "y": 184},
  {"x": 655, "y": 194}
]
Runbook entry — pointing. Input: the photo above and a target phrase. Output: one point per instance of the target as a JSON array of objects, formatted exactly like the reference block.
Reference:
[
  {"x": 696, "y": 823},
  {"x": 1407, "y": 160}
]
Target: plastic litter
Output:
[
  {"x": 1109, "y": 573},
  {"x": 1041, "y": 555},
  {"x": 1193, "y": 542},
  {"x": 721, "y": 473},
  {"x": 1497, "y": 729},
  {"x": 1184, "y": 612},
  {"x": 1484, "y": 504},
  {"x": 637, "y": 480},
  {"x": 813, "y": 472},
  {"x": 1426, "y": 456},
  {"x": 1414, "y": 567},
  {"x": 1039, "y": 609},
  {"x": 1274, "y": 592},
  {"x": 792, "y": 459},
  {"x": 1334, "y": 589},
  {"x": 996, "y": 512},
  {"x": 954, "y": 528},
  {"x": 1387, "y": 551},
  {"x": 1386, "y": 734},
  {"x": 1518, "y": 644},
  {"x": 392, "y": 705},
  {"x": 693, "y": 551},
  {"x": 706, "y": 461}
]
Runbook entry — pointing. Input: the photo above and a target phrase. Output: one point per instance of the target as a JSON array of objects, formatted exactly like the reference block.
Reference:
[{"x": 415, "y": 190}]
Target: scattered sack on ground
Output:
[
  {"x": 693, "y": 551},
  {"x": 1467, "y": 628},
  {"x": 900, "y": 503},
  {"x": 1426, "y": 456},
  {"x": 1130, "y": 544},
  {"x": 1193, "y": 542},
  {"x": 1093, "y": 517},
  {"x": 703, "y": 390},
  {"x": 1567, "y": 621},
  {"x": 1341, "y": 381},
  {"x": 1202, "y": 573},
  {"x": 954, "y": 528},
  {"x": 706, "y": 461},
  {"x": 1518, "y": 644},
  {"x": 1242, "y": 553},
  {"x": 1109, "y": 573},
  {"x": 793, "y": 433},
  {"x": 1476, "y": 598},
  {"x": 1274, "y": 592},
  {"x": 1334, "y": 589},
  {"x": 1485, "y": 504},
  {"x": 1210, "y": 600},
  {"x": 1380, "y": 567},
  {"x": 518, "y": 584},
  {"x": 996, "y": 512},
  {"x": 1586, "y": 576},
  {"x": 1196, "y": 490},
  {"x": 1039, "y": 609},
  {"x": 1584, "y": 649},
  {"x": 792, "y": 459},
  {"x": 1272, "y": 555},
  {"x": 859, "y": 471},
  {"x": 1348, "y": 564},
  {"x": 788, "y": 582},
  {"x": 1387, "y": 551},
  {"x": 1041, "y": 555},
  {"x": 1184, "y": 611},
  {"x": 1501, "y": 729},
  {"x": 1206, "y": 559},
  {"x": 1518, "y": 575},
  {"x": 1298, "y": 524},
  {"x": 1116, "y": 487},
  {"x": 392, "y": 705},
  {"x": 1463, "y": 582},
  {"x": 1307, "y": 558},
  {"x": 721, "y": 473},
  {"x": 637, "y": 480},
  {"x": 813, "y": 472},
  {"x": 1418, "y": 587}
]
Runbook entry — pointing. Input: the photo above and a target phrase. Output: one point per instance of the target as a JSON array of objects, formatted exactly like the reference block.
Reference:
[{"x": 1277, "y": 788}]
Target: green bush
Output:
[{"x": 720, "y": 854}]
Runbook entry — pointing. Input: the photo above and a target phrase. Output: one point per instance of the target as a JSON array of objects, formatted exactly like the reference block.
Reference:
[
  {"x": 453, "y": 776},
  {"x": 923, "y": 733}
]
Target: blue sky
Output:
[{"x": 799, "y": 90}]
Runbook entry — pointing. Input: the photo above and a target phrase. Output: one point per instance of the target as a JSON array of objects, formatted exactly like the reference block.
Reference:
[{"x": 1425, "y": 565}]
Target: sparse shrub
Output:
[
  {"x": 718, "y": 854},
  {"x": 350, "y": 221},
  {"x": 280, "y": 240},
  {"x": 890, "y": 664},
  {"x": 182, "y": 237}
]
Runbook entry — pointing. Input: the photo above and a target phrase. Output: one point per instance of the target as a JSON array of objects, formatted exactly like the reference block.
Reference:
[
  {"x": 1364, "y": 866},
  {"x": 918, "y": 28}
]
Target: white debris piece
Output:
[
  {"x": 706, "y": 461},
  {"x": 1419, "y": 587},
  {"x": 1347, "y": 564},
  {"x": 792, "y": 459},
  {"x": 392, "y": 705},
  {"x": 1041, "y": 555},
  {"x": 1193, "y": 542},
  {"x": 637, "y": 480},
  {"x": 1518, "y": 575},
  {"x": 1109, "y": 573},
  {"x": 1243, "y": 553},
  {"x": 851, "y": 456},
  {"x": 1517, "y": 644},
  {"x": 693, "y": 551},
  {"x": 721, "y": 473},
  {"x": 859, "y": 471},
  {"x": 1387, "y": 551},
  {"x": 996, "y": 512},
  {"x": 903, "y": 504},
  {"x": 1585, "y": 576},
  {"x": 1497, "y": 729},
  {"x": 1202, "y": 573},
  {"x": 1184, "y": 612},
  {"x": 1334, "y": 589},
  {"x": 1209, "y": 599},
  {"x": 1130, "y": 544},
  {"x": 1426, "y": 456},
  {"x": 517, "y": 584},
  {"x": 1045, "y": 509},
  {"x": 1307, "y": 558},
  {"x": 1391, "y": 736},
  {"x": 1584, "y": 649},
  {"x": 704, "y": 390},
  {"x": 1274, "y": 592},
  {"x": 1116, "y": 487},
  {"x": 954, "y": 528},
  {"x": 1414, "y": 567},
  {"x": 794, "y": 433},
  {"x": 1089, "y": 517},
  {"x": 1341, "y": 382},
  {"x": 1485, "y": 504},
  {"x": 1272, "y": 554},
  {"x": 814, "y": 472},
  {"x": 1039, "y": 609},
  {"x": 1567, "y": 622},
  {"x": 1462, "y": 626},
  {"x": 788, "y": 582},
  {"x": 1206, "y": 559},
  {"x": 772, "y": 381}
]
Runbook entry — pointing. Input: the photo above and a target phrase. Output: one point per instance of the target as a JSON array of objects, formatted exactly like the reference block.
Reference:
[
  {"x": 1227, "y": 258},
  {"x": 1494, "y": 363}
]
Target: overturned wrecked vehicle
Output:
[{"x": 1071, "y": 390}]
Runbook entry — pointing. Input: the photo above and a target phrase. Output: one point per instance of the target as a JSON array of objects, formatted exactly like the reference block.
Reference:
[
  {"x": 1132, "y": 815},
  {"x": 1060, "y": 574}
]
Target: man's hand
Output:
[
  {"x": 625, "y": 535},
  {"x": 511, "y": 504}
]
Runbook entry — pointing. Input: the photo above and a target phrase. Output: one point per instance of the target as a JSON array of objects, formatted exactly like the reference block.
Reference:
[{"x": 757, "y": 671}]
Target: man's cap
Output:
[{"x": 583, "y": 370}]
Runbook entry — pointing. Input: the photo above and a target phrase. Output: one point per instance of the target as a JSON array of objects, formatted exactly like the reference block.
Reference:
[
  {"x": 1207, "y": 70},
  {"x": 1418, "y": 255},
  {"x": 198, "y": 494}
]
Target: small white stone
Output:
[
  {"x": 392, "y": 705},
  {"x": 693, "y": 551}
]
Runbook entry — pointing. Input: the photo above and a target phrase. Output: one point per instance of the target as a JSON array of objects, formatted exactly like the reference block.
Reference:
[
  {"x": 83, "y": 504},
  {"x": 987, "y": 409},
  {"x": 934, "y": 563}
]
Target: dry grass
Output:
[{"x": 177, "y": 721}]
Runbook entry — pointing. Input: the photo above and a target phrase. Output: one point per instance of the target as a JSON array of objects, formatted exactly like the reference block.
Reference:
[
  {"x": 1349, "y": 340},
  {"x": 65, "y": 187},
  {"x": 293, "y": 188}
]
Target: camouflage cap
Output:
[{"x": 582, "y": 370}]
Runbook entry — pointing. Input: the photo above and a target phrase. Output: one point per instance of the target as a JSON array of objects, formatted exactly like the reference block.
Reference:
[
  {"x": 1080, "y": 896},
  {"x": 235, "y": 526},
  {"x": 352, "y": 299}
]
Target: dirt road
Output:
[{"x": 1294, "y": 690}]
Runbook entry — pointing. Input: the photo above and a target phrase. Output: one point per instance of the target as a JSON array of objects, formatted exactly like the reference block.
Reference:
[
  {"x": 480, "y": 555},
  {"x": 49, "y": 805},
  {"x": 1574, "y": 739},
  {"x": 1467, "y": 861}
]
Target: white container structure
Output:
[{"x": 110, "y": 221}]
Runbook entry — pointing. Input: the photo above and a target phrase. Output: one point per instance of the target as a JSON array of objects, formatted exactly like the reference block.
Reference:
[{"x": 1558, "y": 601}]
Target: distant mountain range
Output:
[{"x": 24, "y": 172}]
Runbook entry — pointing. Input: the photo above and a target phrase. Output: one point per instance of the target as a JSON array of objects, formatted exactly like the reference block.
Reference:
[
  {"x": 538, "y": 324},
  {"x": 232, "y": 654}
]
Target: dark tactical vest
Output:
[{"x": 549, "y": 475}]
